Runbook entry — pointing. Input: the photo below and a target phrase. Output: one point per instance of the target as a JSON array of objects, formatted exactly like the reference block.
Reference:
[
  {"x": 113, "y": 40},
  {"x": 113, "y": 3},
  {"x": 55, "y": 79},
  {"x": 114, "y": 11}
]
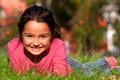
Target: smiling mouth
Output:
[{"x": 36, "y": 48}]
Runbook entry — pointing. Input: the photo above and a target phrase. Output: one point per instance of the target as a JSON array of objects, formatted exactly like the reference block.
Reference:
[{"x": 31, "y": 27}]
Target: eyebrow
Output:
[{"x": 39, "y": 34}]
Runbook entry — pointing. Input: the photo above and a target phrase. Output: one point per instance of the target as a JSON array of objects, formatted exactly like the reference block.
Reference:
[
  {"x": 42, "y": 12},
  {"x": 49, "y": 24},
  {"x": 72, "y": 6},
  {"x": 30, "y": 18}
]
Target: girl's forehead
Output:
[{"x": 34, "y": 25}]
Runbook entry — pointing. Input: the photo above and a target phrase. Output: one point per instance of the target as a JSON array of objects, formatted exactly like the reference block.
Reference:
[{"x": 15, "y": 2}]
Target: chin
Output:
[{"x": 36, "y": 53}]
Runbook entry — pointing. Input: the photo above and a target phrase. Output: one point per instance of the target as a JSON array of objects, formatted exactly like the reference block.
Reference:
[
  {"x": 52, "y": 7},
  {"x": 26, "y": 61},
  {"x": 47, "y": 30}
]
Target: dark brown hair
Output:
[{"x": 40, "y": 14}]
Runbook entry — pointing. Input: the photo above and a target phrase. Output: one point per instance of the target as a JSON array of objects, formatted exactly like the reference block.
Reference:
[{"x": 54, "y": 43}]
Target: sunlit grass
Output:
[{"x": 5, "y": 73}]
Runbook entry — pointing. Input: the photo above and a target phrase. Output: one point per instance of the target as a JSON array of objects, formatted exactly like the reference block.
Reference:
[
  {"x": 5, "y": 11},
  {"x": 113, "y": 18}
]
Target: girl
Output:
[{"x": 40, "y": 46}]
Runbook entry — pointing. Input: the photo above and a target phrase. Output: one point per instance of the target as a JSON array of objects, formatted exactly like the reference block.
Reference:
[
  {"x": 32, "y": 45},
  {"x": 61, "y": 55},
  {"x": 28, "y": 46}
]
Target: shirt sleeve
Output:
[
  {"x": 13, "y": 60},
  {"x": 10, "y": 58},
  {"x": 60, "y": 66}
]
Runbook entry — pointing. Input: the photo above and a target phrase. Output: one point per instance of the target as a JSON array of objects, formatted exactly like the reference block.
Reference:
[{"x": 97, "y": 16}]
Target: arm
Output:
[
  {"x": 13, "y": 60},
  {"x": 60, "y": 66}
]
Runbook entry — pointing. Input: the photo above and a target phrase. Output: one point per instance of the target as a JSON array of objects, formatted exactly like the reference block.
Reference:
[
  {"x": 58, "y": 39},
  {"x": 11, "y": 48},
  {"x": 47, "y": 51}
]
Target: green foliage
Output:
[
  {"x": 63, "y": 10},
  {"x": 93, "y": 32},
  {"x": 68, "y": 13},
  {"x": 117, "y": 37}
]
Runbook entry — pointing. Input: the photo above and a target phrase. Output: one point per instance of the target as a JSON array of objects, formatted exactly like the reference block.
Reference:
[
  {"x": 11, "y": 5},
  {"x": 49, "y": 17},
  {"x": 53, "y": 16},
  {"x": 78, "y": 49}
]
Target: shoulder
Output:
[
  {"x": 14, "y": 43},
  {"x": 57, "y": 41},
  {"x": 57, "y": 45}
]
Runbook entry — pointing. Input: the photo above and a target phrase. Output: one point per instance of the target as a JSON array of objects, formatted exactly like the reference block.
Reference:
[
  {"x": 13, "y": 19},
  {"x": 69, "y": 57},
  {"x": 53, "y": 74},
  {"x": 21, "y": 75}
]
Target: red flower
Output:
[
  {"x": 101, "y": 22},
  {"x": 9, "y": 21},
  {"x": 3, "y": 22},
  {"x": 81, "y": 22},
  {"x": 12, "y": 7},
  {"x": 6, "y": 21}
]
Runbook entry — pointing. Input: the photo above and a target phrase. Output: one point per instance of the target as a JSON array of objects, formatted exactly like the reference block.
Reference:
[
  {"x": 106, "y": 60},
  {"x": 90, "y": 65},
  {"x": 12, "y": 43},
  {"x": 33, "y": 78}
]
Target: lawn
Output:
[{"x": 5, "y": 73}]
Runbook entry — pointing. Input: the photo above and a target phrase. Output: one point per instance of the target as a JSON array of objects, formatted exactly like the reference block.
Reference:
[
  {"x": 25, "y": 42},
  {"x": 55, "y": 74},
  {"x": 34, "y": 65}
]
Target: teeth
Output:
[{"x": 37, "y": 46}]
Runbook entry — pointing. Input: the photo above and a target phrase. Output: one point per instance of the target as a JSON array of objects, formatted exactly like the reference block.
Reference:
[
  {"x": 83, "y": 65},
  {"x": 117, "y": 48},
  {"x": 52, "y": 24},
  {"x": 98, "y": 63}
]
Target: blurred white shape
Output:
[
  {"x": 110, "y": 36},
  {"x": 67, "y": 44},
  {"x": 110, "y": 13},
  {"x": 38, "y": 3}
]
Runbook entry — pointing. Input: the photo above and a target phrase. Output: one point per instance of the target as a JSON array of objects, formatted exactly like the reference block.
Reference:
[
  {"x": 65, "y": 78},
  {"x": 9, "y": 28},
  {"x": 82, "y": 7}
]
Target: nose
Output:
[{"x": 36, "y": 42}]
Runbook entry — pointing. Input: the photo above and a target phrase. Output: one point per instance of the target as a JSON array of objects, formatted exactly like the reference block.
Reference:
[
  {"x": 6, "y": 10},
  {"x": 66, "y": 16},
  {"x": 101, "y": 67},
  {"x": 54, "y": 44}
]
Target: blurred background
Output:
[{"x": 87, "y": 26}]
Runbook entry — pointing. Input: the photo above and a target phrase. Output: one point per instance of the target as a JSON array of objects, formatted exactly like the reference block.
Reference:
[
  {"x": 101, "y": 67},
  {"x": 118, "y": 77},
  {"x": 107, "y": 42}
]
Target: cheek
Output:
[
  {"x": 47, "y": 43},
  {"x": 26, "y": 41}
]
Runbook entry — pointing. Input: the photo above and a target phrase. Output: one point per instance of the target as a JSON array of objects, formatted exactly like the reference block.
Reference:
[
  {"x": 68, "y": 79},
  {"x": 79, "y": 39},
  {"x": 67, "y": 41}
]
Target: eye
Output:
[
  {"x": 44, "y": 36},
  {"x": 29, "y": 35}
]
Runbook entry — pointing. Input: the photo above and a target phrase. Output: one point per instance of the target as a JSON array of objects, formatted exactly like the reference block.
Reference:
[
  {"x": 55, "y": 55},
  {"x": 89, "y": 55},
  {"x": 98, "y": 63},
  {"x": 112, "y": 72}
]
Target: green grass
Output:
[{"x": 5, "y": 73}]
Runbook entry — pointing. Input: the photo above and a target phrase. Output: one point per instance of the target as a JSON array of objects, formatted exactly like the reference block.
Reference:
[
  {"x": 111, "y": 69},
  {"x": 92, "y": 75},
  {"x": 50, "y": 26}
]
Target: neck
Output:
[{"x": 34, "y": 58}]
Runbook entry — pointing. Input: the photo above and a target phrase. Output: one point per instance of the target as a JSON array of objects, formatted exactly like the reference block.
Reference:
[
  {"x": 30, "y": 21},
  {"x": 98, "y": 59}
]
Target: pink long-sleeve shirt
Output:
[{"x": 54, "y": 61}]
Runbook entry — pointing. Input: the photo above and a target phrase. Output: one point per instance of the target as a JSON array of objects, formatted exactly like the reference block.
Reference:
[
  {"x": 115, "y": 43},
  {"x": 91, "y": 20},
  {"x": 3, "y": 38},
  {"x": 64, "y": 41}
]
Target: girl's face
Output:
[{"x": 36, "y": 37}]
